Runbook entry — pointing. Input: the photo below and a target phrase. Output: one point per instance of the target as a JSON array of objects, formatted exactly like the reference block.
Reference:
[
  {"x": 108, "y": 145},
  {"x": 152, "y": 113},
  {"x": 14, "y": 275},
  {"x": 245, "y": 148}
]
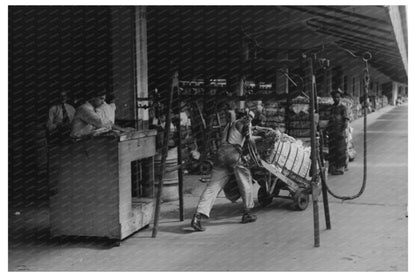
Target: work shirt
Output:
[
  {"x": 338, "y": 121},
  {"x": 58, "y": 114},
  {"x": 107, "y": 112},
  {"x": 232, "y": 135},
  {"x": 86, "y": 120},
  {"x": 337, "y": 141}
]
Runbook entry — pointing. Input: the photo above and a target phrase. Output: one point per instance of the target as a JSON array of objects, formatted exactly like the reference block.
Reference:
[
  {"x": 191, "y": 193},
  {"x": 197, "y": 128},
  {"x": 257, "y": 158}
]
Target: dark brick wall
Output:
[{"x": 50, "y": 49}]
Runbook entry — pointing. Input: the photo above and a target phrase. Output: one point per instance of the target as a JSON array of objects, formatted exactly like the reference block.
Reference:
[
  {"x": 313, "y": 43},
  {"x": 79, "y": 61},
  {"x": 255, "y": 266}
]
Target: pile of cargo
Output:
[
  {"x": 285, "y": 152},
  {"x": 275, "y": 113},
  {"x": 298, "y": 118}
]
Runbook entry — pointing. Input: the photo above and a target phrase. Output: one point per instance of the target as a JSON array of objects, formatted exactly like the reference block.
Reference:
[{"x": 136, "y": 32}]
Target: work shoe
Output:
[
  {"x": 337, "y": 172},
  {"x": 248, "y": 217},
  {"x": 196, "y": 222}
]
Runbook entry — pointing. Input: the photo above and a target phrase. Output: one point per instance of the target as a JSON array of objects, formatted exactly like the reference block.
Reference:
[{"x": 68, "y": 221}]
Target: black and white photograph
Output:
[{"x": 207, "y": 137}]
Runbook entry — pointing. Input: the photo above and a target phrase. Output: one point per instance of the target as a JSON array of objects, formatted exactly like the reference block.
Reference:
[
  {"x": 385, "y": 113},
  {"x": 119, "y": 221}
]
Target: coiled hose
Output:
[{"x": 366, "y": 75}]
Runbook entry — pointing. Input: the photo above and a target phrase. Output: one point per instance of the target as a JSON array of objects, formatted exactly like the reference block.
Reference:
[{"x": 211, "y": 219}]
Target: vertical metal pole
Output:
[
  {"x": 366, "y": 57},
  {"x": 163, "y": 158},
  {"x": 180, "y": 171},
  {"x": 321, "y": 162},
  {"x": 324, "y": 184},
  {"x": 313, "y": 154}
]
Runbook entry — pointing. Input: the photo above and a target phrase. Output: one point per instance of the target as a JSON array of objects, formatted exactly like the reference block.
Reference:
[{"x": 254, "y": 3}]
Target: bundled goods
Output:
[
  {"x": 274, "y": 122},
  {"x": 264, "y": 145},
  {"x": 274, "y": 113},
  {"x": 299, "y": 108},
  {"x": 271, "y": 124},
  {"x": 269, "y": 112},
  {"x": 252, "y": 105},
  {"x": 300, "y": 100},
  {"x": 300, "y": 133},
  {"x": 298, "y": 116},
  {"x": 299, "y": 124},
  {"x": 348, "y": 102},
  {"x": 272, "y": 104},
  {"x": 284, "y": 152},
  {"x": 325, "y": 101},
  {"x": 276, "y": 118}
]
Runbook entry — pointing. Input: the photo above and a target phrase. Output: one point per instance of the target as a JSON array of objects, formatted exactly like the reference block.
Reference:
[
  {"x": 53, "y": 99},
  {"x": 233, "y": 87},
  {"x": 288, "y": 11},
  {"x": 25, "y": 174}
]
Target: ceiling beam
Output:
[
  {"x": 360, "y": 16},
  {"x": 340, "y": 27},
  {"x": 348, "y": 37},
  {"x": 326, "y": 16}
]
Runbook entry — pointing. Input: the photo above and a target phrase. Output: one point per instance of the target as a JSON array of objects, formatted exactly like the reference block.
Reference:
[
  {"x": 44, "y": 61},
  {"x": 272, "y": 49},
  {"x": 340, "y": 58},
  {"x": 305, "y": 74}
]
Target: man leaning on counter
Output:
[{"x": 87, "y": 120}]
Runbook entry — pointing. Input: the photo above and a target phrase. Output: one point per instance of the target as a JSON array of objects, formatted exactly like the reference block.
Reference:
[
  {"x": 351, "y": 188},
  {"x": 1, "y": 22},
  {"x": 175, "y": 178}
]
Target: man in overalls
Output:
[
  {"x": 228, "y": 162},
  {"x": 337, "y": 133}
]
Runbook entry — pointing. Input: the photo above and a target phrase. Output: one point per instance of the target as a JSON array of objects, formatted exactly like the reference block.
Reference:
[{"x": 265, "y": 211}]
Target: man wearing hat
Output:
[
  {"x": 336, "y": 130},
  {"x": 228, "y": 162}
]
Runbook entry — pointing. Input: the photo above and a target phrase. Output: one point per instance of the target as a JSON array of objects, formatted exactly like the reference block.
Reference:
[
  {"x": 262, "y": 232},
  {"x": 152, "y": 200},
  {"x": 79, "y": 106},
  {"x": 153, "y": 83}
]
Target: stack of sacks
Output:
[
  {"x": 349, "y": 103},
  {"x": 285, "y": 152},
  {"x": 274, "y": 111}
]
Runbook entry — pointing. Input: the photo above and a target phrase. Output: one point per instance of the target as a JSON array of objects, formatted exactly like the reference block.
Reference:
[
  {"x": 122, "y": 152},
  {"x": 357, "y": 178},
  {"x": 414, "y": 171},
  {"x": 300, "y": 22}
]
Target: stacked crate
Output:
[
  {"x": 275, "y": 113},
  {"x": 298, "y": 119}
]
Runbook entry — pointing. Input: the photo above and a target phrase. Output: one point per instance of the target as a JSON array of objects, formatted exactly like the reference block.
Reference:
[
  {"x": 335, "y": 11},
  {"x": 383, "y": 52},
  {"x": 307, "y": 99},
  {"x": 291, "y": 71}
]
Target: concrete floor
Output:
[{"x": 368, "y": 234}]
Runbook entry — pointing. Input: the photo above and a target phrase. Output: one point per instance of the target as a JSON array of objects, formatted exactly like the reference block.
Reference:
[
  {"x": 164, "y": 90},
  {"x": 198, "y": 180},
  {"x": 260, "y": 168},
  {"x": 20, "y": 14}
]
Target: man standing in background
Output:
[
  {"x": 336, "y": 129},
  {"x": 60, "y": 118}
]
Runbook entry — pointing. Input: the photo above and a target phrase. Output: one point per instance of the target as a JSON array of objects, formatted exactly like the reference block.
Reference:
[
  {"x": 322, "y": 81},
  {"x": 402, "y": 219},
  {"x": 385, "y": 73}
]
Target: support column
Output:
[
  {"x": 244, "y": 58},
  {"x": 129, "y": 59},
  {"x": 307, "y": 76},
  {"x": 282, "y": 83},
  {"x": 329, "y": 81},
  {"x": 341, "y": 86},
  {"x": 122, "y": 37},
  {"x": 394, "y": 92},
  {"x": 240, "y": 92},
  {"x": 141, "y": 66},
  {"x": 397, "y": 24}
]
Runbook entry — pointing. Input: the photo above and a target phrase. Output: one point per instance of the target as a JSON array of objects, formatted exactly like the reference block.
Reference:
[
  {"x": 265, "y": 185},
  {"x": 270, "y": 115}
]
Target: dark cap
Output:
[{"x": 336, "y": 91}]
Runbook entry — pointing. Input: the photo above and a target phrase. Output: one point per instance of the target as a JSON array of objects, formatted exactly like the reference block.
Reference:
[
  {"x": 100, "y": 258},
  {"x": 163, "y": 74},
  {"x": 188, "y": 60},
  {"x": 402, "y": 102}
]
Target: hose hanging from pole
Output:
[{"x": 366, "y": 76}]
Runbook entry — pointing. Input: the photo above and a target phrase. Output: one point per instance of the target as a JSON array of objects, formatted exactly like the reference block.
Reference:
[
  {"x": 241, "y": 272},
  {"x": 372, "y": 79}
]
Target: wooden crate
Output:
[{"x": 91, "y": 189}]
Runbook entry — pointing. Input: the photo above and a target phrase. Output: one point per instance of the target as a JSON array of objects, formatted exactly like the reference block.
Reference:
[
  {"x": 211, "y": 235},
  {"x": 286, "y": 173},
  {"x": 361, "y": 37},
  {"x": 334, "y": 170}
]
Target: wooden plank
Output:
[
  {"x": 128, "y": 151},
  {"x": 141, "y": 216},
  {"x": 137, "y": 134}
]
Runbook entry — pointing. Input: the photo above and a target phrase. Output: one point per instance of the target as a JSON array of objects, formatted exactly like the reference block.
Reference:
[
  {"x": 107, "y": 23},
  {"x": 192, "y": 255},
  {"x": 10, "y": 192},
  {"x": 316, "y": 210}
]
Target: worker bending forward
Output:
[{"x": 227, "y": 162}]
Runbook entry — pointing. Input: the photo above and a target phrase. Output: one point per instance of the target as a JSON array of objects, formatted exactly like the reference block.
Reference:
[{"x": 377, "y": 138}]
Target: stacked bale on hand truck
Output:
[
  {"x": 286, "y": 152},
  {"x": 285, "y": 166}
]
